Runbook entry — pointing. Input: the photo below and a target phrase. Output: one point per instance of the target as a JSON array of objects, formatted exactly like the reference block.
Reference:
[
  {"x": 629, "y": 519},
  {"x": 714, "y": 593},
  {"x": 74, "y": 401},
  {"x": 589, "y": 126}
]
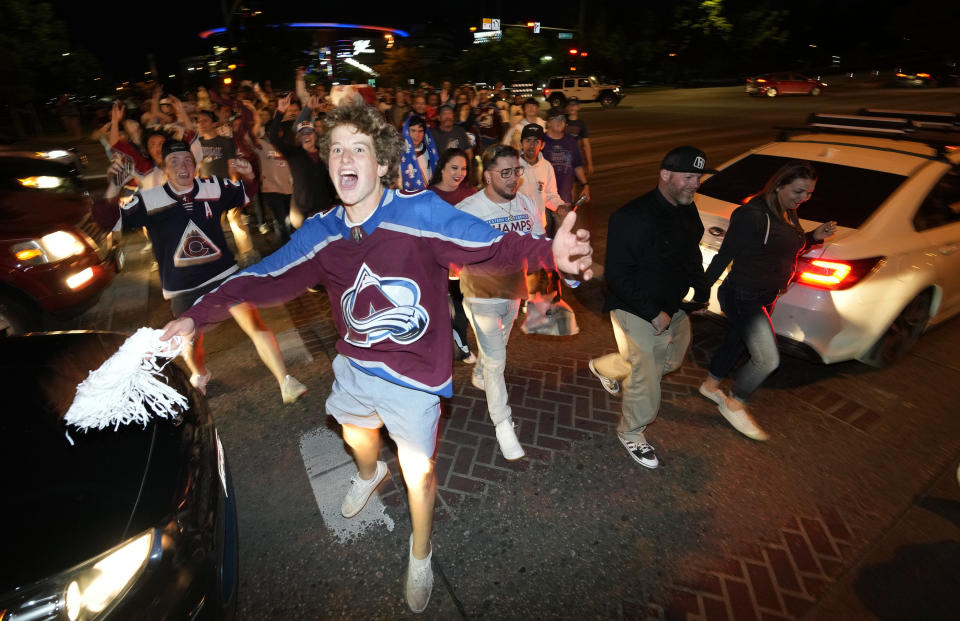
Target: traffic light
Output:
[{"x": 574, "y": 51}]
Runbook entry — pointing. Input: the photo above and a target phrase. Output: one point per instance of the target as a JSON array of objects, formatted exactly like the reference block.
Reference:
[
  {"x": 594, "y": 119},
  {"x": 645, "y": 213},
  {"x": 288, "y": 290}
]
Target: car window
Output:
[
  {"x": 584, "y": 83},
  {"x": 555, "y": 83},
  {"x": 846, "y": 194},
  {"x": 942, "y": 205},
  {"x": 569, "y": 83}
]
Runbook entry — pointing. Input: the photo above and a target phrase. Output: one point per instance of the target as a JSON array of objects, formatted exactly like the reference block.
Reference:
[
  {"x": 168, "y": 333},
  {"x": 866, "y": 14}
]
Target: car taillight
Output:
[
  {"x": 923, "y": 75},
  {"x": 901, "y": 75},
  {"x": 834, "y": 275}
]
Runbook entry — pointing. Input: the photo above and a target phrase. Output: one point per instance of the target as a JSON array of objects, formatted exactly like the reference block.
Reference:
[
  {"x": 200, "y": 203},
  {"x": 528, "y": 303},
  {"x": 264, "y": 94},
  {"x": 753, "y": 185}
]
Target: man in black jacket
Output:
[
  {"x": 653, "y": 259},
  {"x": 312, "y": 190}
]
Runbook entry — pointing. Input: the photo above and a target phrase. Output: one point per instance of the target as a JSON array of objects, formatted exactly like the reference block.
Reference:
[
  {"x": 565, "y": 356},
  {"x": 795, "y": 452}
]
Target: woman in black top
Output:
[{"x": 763, "y": 241}]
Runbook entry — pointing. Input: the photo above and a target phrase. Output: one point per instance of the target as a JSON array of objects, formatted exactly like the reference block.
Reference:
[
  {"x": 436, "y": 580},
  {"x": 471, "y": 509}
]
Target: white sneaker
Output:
[
  {"x": 743, "y": 422},
  {"x": 200, "y": 382},
  {"x": 507, "y": 439},
  {"x": 419, "y": 582},
  {"x": 612, "y": 386},
  {"x": 291, "y": 389},
  {"x": 361, "y": 490}
]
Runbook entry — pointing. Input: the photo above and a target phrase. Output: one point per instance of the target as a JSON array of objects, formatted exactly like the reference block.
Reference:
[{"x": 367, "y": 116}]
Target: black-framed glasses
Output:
[{"x": 506, "y": 173}]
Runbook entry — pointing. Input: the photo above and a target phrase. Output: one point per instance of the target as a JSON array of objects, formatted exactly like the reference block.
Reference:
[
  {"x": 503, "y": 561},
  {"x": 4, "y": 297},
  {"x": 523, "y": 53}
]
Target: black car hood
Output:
[{"x": 67, "y": 503}]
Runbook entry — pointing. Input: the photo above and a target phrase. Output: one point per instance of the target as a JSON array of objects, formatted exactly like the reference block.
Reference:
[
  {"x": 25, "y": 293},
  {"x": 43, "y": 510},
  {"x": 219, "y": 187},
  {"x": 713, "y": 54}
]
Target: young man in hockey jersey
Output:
[
  {"x": 383, "y": 258},
  {"x": 182, "y": 219}
]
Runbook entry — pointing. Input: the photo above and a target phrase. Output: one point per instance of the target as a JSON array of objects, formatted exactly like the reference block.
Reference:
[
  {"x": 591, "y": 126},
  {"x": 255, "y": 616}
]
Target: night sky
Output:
[{"x": 121, "y": 34}]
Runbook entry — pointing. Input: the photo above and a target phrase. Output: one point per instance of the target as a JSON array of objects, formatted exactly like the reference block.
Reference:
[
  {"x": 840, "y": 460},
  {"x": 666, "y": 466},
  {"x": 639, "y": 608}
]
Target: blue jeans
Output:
[{"x": 748, "y": 327}]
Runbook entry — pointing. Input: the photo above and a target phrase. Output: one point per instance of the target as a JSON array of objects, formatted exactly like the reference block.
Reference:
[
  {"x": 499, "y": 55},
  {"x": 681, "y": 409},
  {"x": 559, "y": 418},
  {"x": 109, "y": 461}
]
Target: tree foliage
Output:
[{"x": 38, "y": 59}]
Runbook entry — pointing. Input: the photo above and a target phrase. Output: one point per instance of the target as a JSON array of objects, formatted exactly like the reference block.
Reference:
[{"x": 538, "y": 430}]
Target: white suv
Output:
[{"x": 891, "y": 179}]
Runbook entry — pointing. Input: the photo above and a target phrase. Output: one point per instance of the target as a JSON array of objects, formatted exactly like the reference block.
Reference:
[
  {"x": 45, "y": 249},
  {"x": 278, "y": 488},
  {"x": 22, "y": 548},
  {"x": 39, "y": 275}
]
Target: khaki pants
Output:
[{"x": 643, "y": 359}]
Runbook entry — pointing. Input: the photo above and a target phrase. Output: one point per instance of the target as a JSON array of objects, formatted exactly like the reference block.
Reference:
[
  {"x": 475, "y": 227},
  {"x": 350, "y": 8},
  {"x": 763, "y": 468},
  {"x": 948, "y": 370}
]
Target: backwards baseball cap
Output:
[
  {"x": 305, "y": 126},
  {"x": 686, "y": 160},
  {"x": 531, "y": 130},
  {"x": 174, "y": 146},
  {"x": 554, "y": 113}
]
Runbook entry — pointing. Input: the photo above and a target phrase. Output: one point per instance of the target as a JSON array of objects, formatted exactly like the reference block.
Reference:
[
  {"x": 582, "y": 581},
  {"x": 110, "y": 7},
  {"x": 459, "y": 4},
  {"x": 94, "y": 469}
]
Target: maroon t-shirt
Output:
[{"x": 463, "y": 191}]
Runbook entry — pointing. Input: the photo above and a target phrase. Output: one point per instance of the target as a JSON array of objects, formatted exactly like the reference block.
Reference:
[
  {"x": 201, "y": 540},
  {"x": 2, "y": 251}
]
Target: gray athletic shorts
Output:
[{"x": 367, "y": 401}]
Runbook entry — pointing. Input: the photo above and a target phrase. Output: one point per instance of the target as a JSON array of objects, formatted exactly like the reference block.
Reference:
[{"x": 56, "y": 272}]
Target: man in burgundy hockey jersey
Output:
[{"x": 383, "y": 258}]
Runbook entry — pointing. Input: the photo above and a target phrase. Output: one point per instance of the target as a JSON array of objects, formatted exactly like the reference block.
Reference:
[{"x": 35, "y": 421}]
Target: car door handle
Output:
[{"x": 948, "y": 249}]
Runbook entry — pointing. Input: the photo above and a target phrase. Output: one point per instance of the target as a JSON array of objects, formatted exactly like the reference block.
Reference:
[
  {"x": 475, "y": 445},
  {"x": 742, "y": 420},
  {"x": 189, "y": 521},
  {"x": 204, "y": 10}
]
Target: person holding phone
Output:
[{"x": 763, "y": 241}]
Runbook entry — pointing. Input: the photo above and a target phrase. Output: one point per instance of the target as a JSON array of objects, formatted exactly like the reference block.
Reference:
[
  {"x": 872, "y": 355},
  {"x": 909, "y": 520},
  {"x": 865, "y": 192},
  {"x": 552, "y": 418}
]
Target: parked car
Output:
[
  {"x": 584, "y": 88},
  {"x": 126, "y": 523},
  {"x": 54, "y": 260},
  {"x": 892, "y": 182},
  {"x": 784, "y": 83}
]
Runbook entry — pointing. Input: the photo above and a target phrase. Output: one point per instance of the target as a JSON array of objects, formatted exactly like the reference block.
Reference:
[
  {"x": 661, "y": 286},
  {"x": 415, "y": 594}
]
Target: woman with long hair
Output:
[
  {"x": 764, "y": 240},
  {"x": 448, "y": 183}
]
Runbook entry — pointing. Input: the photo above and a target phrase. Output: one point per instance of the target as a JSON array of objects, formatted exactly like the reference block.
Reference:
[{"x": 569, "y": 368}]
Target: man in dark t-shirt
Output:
[
  {"x": 561, "y": 149},
  {"x": 578, "y": 127}
]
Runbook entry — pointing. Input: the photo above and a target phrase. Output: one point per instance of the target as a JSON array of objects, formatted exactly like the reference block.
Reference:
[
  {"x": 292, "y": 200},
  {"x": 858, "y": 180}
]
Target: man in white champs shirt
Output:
[{"x": 491, "y": 297}]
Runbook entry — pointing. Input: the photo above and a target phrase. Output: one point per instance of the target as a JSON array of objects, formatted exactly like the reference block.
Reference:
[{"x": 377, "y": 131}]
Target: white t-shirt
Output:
[{"x": 518, "y": 215}]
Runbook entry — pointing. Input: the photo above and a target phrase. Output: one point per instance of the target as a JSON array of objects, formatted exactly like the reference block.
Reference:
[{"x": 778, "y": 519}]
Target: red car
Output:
[
  {"x": 54, "y": 261},
  {"x": 784, "y": 83}
]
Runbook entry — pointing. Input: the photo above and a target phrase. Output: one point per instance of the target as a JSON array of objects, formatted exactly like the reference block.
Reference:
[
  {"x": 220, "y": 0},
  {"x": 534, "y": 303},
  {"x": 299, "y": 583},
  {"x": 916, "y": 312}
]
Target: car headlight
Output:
[
  {"x": 89, "y": 590},
  {"x": 42, "y": 182},
  {"x": 49, "y": 248},
  {"x": 53, "y": 155}
]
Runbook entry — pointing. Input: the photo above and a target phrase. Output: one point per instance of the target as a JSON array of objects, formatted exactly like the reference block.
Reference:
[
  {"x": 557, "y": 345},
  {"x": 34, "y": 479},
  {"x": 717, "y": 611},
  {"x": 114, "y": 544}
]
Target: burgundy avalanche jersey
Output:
[
  {"x": 185, "y": 231},
  {"x": 387, "y": 284}
]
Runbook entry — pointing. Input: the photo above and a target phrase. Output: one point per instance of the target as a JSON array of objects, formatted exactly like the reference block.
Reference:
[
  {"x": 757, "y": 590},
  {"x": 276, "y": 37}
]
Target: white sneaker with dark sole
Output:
[
  {"x": 612, "y": 386},
  {"x": 361, "y": 490},
  {"x": 641, "y": 452}
]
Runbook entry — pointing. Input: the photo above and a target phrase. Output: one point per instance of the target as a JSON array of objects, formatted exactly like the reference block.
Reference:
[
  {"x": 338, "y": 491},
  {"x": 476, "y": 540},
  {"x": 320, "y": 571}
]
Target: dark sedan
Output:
[
  {"x": 783, "y": 83},
  {"x": 127, "y": 523}
]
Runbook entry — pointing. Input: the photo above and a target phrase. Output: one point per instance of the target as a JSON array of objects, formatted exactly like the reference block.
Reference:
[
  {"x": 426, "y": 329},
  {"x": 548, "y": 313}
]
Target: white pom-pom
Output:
[{"x": 120, "y": 391}]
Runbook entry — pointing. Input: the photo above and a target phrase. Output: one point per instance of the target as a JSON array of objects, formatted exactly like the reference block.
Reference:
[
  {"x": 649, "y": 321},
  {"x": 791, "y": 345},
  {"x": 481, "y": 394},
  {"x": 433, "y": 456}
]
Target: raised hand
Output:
[
  {"x": 283, "y": 104},
  {"x": 572, "y": 250},
  {"x": 117, "y": 112}
]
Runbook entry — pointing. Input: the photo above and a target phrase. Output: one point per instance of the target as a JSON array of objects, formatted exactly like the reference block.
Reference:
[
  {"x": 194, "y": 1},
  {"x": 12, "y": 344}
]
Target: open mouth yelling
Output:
[{"x": 348, "y": 179}]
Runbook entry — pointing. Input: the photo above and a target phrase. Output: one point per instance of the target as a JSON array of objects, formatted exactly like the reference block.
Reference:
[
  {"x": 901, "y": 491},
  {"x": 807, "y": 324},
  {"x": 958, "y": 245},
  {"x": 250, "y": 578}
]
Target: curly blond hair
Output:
[{"x": 388, "y": 144}]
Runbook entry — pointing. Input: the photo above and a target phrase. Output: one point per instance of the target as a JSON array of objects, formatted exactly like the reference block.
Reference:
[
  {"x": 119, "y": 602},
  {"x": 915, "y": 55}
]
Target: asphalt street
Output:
[{"x": 850, "y": 511}]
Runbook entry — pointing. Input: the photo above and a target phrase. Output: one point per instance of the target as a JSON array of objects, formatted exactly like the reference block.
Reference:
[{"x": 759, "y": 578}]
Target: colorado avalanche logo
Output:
[{"x": 376, "y": 309}]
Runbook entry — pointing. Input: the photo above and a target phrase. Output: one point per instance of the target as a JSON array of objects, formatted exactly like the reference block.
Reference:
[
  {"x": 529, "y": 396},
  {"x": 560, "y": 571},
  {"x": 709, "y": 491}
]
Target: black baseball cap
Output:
[
  {"x": 572, "y": 101},
  {"x": 686, "y": 160},
  {"x": 531, "y": 130},
  {"x": 174, "y": 146},
  {"x": 553, "y": 113}
]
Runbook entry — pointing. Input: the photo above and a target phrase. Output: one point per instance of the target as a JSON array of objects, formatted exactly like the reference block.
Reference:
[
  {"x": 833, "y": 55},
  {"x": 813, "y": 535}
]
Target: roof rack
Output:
[
  {"x": 922, "y": 116},
  {"x": 939, "y": 130}
]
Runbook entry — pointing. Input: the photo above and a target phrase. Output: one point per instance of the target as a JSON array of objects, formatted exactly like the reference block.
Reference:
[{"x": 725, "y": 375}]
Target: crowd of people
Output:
[{"x": 419, "y": 213}]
